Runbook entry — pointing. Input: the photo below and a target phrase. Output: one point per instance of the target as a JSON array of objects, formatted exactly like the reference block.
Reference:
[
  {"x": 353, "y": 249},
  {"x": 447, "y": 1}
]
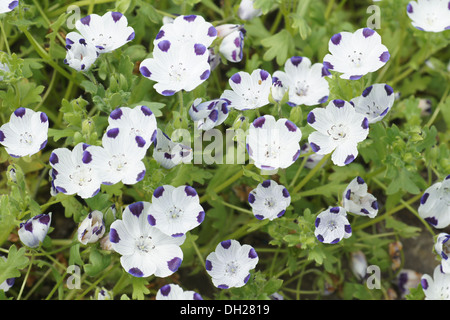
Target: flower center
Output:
[
  {"x": 332, "y": 225},
  {"x": 102, "y": 40},
  {"x": 301, "y": 89},
  {"x": 26, "y": 138},
  {"x": 175, "y": 212},
  {"x": 118, "y": 162},
  {"x": 272, "y": 150},
  {"x": 356, "y": 58},
  {"x": 176, "y": 72},
  {"x": 338, "y": 132},
  {"x": 144, "y": 244},
  {"x": 431, "y": 18},
  {"x": 269, "y": 203},
  {"x": 231, "y": 268},
  {"x": 81, "y": 175}
]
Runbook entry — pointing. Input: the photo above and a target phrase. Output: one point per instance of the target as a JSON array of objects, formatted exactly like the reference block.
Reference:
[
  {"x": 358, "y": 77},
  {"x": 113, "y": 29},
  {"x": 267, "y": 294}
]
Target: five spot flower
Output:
[
  {"x": 435, "y": 204},
  {"x": 332, "y": 225},
  {"x": 269, "y": 200},
  {"x": 81, "y": 54},
  {"x": 358, "y": 201},
  {"x": 430, "y": 15},
  {"x": 33, "y": 231},
  {"x": 175, "y": 292},
  {"x": 375, "y": 102}
]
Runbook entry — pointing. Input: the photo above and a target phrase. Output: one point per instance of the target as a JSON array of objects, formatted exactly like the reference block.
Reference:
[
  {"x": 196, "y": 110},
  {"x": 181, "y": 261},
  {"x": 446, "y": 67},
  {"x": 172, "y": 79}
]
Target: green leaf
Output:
[
  {"x": 98, "y": 262},
  {"x": 139, "y": 288},
  {"x": 280, "y": 46},
  {"x": 403, "y": 230},
  {"x": 16, "y": 260}
]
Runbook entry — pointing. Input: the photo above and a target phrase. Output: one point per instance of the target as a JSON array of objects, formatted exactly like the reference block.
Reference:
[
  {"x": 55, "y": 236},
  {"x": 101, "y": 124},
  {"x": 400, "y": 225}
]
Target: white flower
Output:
[
  {"x": 375, "y": 102},
  {"x": 356, "y": 54},
  {"x": 107, "y": 32},
  {"x": 442, "y": 247},
  {"x": 435, "y": 204},
  {"x": 278, "y": 90},
  {"x": 26, "y": 132},
  {"x": 92, "y": 228},
  {"x": 230, "y": 264},
  {"x": 73, "y": 173},
  {"x": 358, "y": 201},
  {"x": 339, "y": 128},
  {"x": 168, "y": 153},
  {"x": 232, "y": 45},
  {"x": 438, "y": 287},
  {"x": 247, "y": 11},
  {"x": 273, "y": 144},
  {"x": 81, "y": 54},
  {"x": 406, "y": 280},
  {"x": 144, "y": 249},
  {"x": 175, "y": 292},
  {"x": 306, "y": 83},
  {"x": 187, "y": 30},
  {"x": 208, "y": 114},
  {"x": 269, "y": 200},
  {"x": 429, "y": 15},
  {"x": 358, "y": 264},
  {"x": 332, "y": 225},
  {"x": 8, "y": 5},
  {"x": 119, "y": 158},
  {"x": 138, "y": 122},
  {"x": 175, "y": 211},
  {"x": 248, "y": 91},
  {"x": 313, "y": 159},
  {"x": 33, "y": 231},
  {"x": 104, "y": 294},
  {"x": 8, "y": 283},
  {"x": 175, "y": 67}
]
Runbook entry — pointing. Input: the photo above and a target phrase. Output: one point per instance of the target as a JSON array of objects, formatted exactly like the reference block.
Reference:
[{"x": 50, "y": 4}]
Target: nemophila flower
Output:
[
  {"x": 356, "y": 54},
  {"x": 273, "y": 144},
  {"x": 80, "y": 54},
  {"x": 175, "y": 211},
  {"x": 144, "y": 249},
  {"x": 429, "y": 15},
  {"x": 313, "y": 159},
  {"x": 107, "y": 32},
  {"x": 332, "y": 225},
  {"x": 187, "y": 30},
  {"x": 33, "y": 231},
  {"x": 26, "y": 132},
  {"x": 73, "y": 171},
  {"x": 8, "y": 5},
  {"x": 358, "y": 201},
  {"x": 305, "y": 82},
  {"x": 442, "y": 248},
  {"x": 436, "y": 287},
  {"x": 247, "y": 11},
  {"x": 269, "y": 200},
  {"x": 104, "y": 294},
  {"x": 175, "y": 67},
  {"x": 407, "y": 279},
  {"x": 375, "y": 102},
  {"x": 169, "y": 153},
  {"x": 175, "y": 292},
  {"x": 208, "y": 114},
  {"x": 339, "y": 130},
  {"x": 8, "y": 283},
  {"x": 139, "y": 123},
  {"x": 435, "y": 204},
  {"x": 232, "y": 45},
  {"x": 358, "y": 264},
  {"x": 248, "y": 91},
  {"x": 230, "y": 264},
  {"x": 119, "y": 158},
  {"x": 92, "y": 228}
]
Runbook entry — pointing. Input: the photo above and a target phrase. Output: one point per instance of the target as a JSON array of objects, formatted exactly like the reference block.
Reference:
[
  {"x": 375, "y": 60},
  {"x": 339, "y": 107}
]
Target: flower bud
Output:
[
  {"x": 232, "y": 46},
  {"x": 33, "y": 231},
  {"x": 358, "y": 264},
  {"x": 91, "y": 228},
  {"x": 247, "y": 11}
]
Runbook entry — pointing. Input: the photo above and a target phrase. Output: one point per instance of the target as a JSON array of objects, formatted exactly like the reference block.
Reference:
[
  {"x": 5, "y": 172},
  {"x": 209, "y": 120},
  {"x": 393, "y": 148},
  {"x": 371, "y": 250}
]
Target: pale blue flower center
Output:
[
  {"x": 338, "y": 132},
  {"x": 81, "y": 175},
  {"x": 144, "y": 244}
]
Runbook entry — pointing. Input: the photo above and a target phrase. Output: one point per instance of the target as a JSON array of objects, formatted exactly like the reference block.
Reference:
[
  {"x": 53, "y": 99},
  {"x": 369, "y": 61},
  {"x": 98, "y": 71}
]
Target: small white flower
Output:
[
  {"x": 435, "y": 204},
  {"x": 356, "y": 54},
  {"x": 339, "y": 130},
  {"x": 232, "y": 45},
  {"x": 107, "y": 32},
  {"x": 175, "y": 211},
  {"x": 332, "y": 225},
  {"x": 175, "y": 292},
  {"x": 25, "y": 134},
  {"x": 187, "y": 30},
  {"x": 104, "y": 294},
  {"x": 247, "y": 11},
  {"x": 73, "y": 173},
  {"x": 358, "y": 264},
  {"x": 269, "y": 200},
  {"x": 81, "y": 54},
  {"x": 406, "y": 280},
  {"x": 138, "y": 122},
  {"x": 33, "y": 231},
  {"x": 306, "y": 82},
  {"x": 438, "y": 287},
  {"x": 208, "y": 114},
  {"x": 375, "y": 102},
  {"x": 168, "y": 153},
  {"x": 8, "y": 5},
  {"x": 442, "y": 247},
  {"x": 429, "y": 15},
  {"x": 230, "y": 264},
  {"x": 358, "y": 201},
  {"x": 119, "y": 158},
  {"x": 92, "y": 228},
  {"x": 144, "y": 249},
  {"x": 273, "y": 144},
  {"x": 248, "y": 91}
]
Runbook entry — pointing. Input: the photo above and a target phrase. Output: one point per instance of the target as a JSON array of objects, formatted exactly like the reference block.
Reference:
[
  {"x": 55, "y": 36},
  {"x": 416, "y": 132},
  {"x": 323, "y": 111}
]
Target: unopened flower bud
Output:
[{"x": 91, "y": 228}]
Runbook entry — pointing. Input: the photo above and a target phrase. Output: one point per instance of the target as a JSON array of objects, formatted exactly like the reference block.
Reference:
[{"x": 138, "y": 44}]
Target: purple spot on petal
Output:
[
  {"x": 251, "y": 197},
  {"x": 360, "y": 180},
  {"x": 114, "y": 236},
  {"x": 140, "y": 175},
  {"x": 116, "y": 114},
  {"x": 296, "y": 60},
  {"x": 335, "y": 210},
  {"x": 259, "y": 122},
  {"x": 431, "y": 220},
  {"x": 367, "y": 32},
  {"x": 259, "y": 216},
  {"x": 168, "y": 92},
  {"x": 320, "y": 238},
  {"x": 317, "y": 222},
  {"x": 296, "y": 155},
  {"x": 165, "y": 290},
  {"x": 136, "y": 272},
  {"x": 212, "y": 32},
  {"x": 336, "y": 39},
  {"x": 252, "y": 254},
  {"x": 174, "y": 264},
  {"x": 339, "y": 103},
  {"x": 190, "y": 18},
  {"x": 2, "y": 136},
  {"x": 43, "y": 117},
  {"x": 328, "y": 65},
  {"x": 311, "y": 118},
  {"x": 226, "y": 244},
  {"x": 385, "y": 56},
  {"x": 367, "y": 91},
  {"x": 286, "y": 193},
  {"x": 131, "y": 36},
  {"x": 205, "y": 75},
  {"x": 266, "y": 183},
  {"x": 151, "y": 220},
  {"x": 158, "y": 192},
  {"x": 349, "y": 159},
  {"x": 140, "y": 141},
  {"x": 116, "y": 16},
  {"x": 20, "y": 112},
  {"x": 190, "y": 191},
  {"x": 236, "y": 78},
  {"x": 160, "y": 34},
  {"x": 87, "y": 157},
  {"x": 264, "y": 74},
  {"x": 86, "y": 20},
  {"x": 335, "y": 241},
  {"x": 13, "y": 4},
  {"x": 347, "y": 195},
  {"x": 145, "y": 72},
  {"x": 222, "y": 286},
  {"x": 281, "y": 213},
  {"x": 112, "y": 133},
  {"x": 199, "y": 49},
  {"x": 164, "y": 45},
  {"x": 355, "y": 77},
  {"x": 290, "y": 125},
  {"x": 424, "y": 198},
  {"x": 314, "y": 147},
  {"x": 365, "y": 123},
  {"x": 388, "y": 89},
  {"x": 409, "y": 8},
  {"x": 136, "y": 208},
  {"x": 208, "y": 265},
  {"x": 374, "y": 205},
  {"x": 363, "y": 210},
  {"x": 201, "y": 216},
  {"x": 43, "y": 144}
]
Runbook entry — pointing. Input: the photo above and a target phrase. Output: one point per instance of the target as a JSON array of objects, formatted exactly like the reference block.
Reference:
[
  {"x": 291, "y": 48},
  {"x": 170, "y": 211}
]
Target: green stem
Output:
[
  {"x": 197, "y": 251},
  {"x": 5, "y": 39},
  {"x": 438, "y": 109},
  {"x": 26, "y": 277},
  {"x": 312, "y": 173},
  {"x": 236, "y": 207}
]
